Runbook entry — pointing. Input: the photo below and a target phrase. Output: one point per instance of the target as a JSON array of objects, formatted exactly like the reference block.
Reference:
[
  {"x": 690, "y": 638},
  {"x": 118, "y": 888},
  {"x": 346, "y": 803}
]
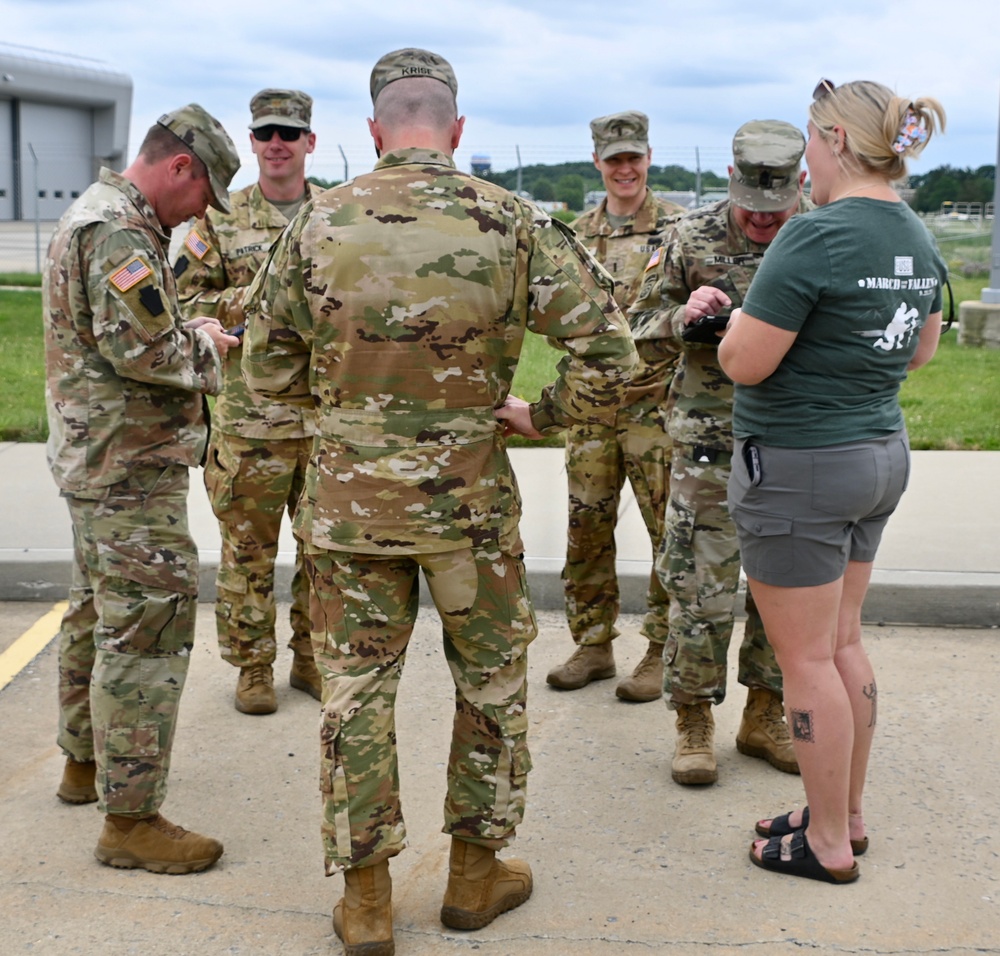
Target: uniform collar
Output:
[
  {"x": 137, "y": 198},
  {"x": 418, "y": 155}
]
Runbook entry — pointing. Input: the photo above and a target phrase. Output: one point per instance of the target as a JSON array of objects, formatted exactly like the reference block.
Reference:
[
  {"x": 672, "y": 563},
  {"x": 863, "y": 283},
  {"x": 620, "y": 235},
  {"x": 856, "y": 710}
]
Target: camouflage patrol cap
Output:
[
  {"x": 766, "y": 157},
  {"x": 408, "y": 63},
  {"x": 194, "y": 126},
  {"x": 626, "y": 132},
  {"x": 281, "y": 108}
]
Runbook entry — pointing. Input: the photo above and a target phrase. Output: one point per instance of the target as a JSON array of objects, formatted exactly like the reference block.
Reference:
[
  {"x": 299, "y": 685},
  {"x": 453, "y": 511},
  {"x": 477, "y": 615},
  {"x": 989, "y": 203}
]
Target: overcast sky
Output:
[{"x": 533, "y": 73}]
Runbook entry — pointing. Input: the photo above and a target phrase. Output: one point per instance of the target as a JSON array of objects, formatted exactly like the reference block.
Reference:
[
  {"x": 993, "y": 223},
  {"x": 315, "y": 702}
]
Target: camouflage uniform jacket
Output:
[
  {"x": 704, "y": 247},
  {"x": 122, "y": 374},
  {"x": 220, "y": 256},
  {"x": 624, "y": 252},
  {"x": 400, "y": 301}
]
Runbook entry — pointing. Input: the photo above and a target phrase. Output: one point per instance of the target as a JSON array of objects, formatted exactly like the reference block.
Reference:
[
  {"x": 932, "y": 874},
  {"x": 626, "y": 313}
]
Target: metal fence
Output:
[{"x": 23, "y": 245}]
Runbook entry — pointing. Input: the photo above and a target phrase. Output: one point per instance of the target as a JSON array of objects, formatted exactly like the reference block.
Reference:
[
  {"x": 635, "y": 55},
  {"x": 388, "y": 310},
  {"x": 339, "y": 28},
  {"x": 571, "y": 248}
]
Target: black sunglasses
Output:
[{"x": 288, "y": 134}]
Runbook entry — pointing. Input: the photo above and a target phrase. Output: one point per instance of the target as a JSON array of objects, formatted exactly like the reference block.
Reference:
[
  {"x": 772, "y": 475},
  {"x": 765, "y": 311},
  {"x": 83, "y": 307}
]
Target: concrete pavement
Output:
[
  {"x": 624, "y": 860},
  {"x": 939, "y": 564}
]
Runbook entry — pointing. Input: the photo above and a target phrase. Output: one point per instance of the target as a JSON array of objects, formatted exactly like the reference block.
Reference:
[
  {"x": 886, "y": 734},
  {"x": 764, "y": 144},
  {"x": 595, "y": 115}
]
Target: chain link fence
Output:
[{"x": 23, "y": 245}]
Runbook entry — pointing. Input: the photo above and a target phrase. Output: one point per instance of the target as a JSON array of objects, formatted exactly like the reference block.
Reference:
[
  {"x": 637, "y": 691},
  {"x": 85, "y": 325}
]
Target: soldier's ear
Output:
[
  {"x": 456, "y": 133},
  {"x": 178, "y": 163},
  {"x": 376, "y": 131}
]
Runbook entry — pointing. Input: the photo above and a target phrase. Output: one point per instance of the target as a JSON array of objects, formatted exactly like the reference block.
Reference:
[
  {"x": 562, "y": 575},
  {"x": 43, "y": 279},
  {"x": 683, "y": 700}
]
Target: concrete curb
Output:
[{"x": 923, "y": 598}]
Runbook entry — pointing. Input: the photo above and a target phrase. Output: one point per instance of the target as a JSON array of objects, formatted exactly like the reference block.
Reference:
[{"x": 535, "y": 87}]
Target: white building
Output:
[{"x": 62, "y": 117}]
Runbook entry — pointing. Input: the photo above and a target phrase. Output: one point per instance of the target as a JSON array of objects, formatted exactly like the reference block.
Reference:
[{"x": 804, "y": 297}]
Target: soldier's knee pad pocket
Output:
[
  {"x": 149, "y": 622},
  {"x": 233, "y": 581},
  {"x": 131, "y": 742},
  {"x": 148, "y": 605},
  {"x": 221, "y": 469}
]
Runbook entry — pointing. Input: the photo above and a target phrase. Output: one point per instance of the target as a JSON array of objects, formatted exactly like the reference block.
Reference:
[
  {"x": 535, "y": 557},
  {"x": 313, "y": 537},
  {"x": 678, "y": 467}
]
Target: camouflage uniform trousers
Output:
[
  {"x": 364, "y": 608},
  {"x": 700, "y": 568},
  {"x": 126, "y": 637},
  {"x": 250, "y": 483},
  {"x": 598, "y": 460}
]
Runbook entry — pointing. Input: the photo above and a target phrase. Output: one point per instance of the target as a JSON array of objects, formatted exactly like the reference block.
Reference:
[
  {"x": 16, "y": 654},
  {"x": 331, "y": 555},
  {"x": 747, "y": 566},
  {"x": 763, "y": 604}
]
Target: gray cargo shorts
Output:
[{"x": 802, "y": 513}]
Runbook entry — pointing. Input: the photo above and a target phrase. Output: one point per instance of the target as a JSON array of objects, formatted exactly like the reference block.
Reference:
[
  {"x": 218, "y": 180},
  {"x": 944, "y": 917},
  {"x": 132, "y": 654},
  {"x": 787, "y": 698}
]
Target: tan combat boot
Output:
[
  {"x": 481, "y": 887},
  {"x": 694, "y": 755},
  {"x": 255, "y": 690},
  {"x": 646, "y": 682},
  {"x": 362, "y": 919},
  {"x": 305, "y": 677},
  {"x": 588, "y": 662},
  {"x": 154, "y": 844},
  {"x": 763, "y": 732},
  {"x": 77, "y": 784}
]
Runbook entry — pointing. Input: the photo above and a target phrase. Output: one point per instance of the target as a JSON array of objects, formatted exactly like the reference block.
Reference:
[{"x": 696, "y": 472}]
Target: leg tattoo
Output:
[
  {"x": 802, "y": 725},
  {"x": 871, "y": 693}
]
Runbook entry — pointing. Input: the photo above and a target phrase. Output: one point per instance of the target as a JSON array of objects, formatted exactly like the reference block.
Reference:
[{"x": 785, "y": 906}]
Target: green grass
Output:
[
  {"x": 31, "y": 279},
  {"x": 22, "y": 367},
  {"x": 952, "y": 403}
]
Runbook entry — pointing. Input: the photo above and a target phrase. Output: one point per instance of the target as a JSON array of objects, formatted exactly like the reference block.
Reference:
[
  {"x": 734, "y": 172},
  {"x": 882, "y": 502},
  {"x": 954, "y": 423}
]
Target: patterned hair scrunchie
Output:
[{"x": 910, "y": 133}]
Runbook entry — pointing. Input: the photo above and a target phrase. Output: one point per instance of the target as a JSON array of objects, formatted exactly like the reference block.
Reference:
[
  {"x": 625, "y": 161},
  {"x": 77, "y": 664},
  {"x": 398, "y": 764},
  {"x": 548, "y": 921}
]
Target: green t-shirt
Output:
[{"x": 856, "y": 280}]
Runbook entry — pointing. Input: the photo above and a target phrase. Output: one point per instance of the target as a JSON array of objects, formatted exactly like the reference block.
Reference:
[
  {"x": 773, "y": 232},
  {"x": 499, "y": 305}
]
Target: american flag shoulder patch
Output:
[
  {"x": 654, "y": 259},
  {"x": 135, "y": 270},
  {"x": 196, "y": 244}
]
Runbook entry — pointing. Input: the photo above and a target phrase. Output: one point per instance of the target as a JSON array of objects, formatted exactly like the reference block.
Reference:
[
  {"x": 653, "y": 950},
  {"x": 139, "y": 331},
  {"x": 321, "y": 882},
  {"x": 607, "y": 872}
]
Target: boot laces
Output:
[
  {"x": 649, "y": 663},
  {"x": 696, "y": 728},
  {"x": 580, "y": 659},
  {"x": 257, "y": 674},
  {"x": 774, "y": 717},
  {"x": 171, "y": 830}
]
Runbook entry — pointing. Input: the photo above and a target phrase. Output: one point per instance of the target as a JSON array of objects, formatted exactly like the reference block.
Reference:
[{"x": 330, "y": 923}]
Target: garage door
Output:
[{"x": 62, "y": 167}]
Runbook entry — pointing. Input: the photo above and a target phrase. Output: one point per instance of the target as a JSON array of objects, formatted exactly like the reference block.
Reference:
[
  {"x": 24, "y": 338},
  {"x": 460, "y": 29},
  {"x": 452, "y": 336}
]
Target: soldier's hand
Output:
[
  {"x": 515, "y": 416},
  {"x": 199, "y": 322},
  {"x": 705, "y": 300},
  {"x": 222, "y": 339}
]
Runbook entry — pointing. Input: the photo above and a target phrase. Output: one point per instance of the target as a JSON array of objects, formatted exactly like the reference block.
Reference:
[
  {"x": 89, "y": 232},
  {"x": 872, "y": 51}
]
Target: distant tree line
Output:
[
  {"x": 947, "y": 184},
  {"x": 570, "y": 182}
]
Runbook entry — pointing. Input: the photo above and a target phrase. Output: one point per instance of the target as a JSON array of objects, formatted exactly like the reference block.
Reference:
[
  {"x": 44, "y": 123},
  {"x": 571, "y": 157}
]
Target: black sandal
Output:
[
  {"x": 803, "y": 861},
  {"x": 780, "y": 826}
]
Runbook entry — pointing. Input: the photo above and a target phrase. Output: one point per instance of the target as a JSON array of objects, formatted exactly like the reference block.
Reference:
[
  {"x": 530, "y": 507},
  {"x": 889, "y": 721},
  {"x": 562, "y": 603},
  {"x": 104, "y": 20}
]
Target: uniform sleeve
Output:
[
  {"x": 658, "y": 311},
  {"x": 277, "y": 344},
  {"x": 135, "y": 319},
  {"x": 570, "y": 302},
  {"x": 203, "y": 287}
]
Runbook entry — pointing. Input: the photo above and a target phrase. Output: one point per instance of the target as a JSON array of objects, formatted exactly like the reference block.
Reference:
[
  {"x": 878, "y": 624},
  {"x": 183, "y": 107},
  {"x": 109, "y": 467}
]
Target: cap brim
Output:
[
  {"x": 278, "y": 121},
  {"x": 220, "y": 195},
  {"x": 762, "y": 200},
  {"x": 623, "y": 146}
]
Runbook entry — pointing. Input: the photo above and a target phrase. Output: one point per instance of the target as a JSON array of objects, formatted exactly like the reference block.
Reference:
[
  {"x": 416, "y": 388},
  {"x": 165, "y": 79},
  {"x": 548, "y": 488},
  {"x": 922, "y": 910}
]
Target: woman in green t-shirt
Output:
[{"x": 845, "y": 303}]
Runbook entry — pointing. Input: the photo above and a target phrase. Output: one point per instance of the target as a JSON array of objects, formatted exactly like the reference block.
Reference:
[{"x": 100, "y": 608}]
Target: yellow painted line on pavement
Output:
[{"x": 32, "y": 642}]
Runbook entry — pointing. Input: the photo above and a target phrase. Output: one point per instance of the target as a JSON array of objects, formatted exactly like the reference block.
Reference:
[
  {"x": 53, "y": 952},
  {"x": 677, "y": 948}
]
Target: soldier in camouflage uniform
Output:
[
  {"x": 621, "y": 232},
  {"x": 398, "y": 303},
  {"x": 705, "y": 268},
  {"x": 260, "y": 446},
  {"x": 125, "y": 382}
]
